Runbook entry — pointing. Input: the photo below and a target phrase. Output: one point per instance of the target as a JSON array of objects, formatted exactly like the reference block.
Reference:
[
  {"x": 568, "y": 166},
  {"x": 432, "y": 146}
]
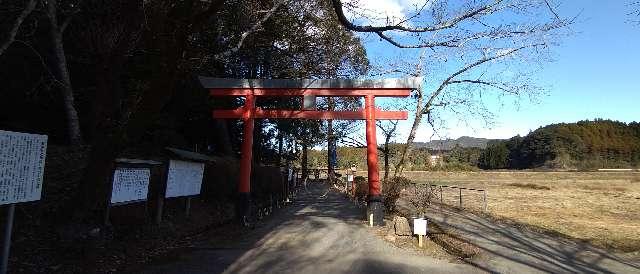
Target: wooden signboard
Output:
[
  {"x": 184, "y": 178},
  {"x": 130, "y": 185},
  {"x": 22, "y": 160}
]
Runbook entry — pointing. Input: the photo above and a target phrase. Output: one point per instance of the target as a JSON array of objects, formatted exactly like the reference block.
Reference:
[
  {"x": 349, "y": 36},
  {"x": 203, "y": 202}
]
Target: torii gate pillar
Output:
[
  {"x": 375, "y": 206},
  {"x": 308, "y": 89}
]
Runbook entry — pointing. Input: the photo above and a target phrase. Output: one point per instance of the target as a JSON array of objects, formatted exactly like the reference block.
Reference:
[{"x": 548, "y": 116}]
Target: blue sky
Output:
[{"x": 595, "y": 75}]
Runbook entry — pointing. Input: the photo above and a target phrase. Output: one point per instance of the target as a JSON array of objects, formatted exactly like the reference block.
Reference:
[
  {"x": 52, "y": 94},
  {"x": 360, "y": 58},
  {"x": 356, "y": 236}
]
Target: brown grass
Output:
[
  {"x": 530, "y": 186},
  {"x": 599, "y": 207}
]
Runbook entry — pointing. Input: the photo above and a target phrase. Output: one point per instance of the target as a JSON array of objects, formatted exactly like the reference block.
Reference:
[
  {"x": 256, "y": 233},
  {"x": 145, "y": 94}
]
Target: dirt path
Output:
[
  {"x": 320, "y": 233},
  {"x": 507, "y": 249}
]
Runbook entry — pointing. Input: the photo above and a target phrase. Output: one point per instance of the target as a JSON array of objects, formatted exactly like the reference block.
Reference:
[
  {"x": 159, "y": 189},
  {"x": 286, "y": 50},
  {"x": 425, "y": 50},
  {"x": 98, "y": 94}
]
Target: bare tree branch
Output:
[
  {"x": 257, "y": 26},
  {"x": 454, "y": 32},
  {"x": 31, "y": 5},
  {"x": 448, "y": 80},
  {"x": 337, "y": 6}
]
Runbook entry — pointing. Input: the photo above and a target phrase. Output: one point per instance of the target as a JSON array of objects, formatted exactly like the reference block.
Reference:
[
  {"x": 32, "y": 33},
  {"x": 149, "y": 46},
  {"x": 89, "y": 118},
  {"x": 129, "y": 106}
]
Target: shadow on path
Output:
[
  {"x": 320, "y": 233},
  {"x": 513, "y": 250}
]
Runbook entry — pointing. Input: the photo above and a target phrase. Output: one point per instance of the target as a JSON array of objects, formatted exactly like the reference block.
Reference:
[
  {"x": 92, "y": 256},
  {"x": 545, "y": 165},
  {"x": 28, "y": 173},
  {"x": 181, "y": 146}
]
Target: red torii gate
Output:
[{"x": 309, "y": 89}]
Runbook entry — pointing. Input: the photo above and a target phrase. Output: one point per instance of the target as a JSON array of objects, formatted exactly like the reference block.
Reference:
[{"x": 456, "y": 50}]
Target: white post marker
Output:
[
  {"x": 420, "y": 229},
  {"x": 22, "y": 160}
]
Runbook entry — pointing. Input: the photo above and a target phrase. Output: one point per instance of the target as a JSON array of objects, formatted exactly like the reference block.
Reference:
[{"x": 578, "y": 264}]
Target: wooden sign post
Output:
[
  {"x": 129, "y": 184},
  {"x": 22, "y": 159},
  {"x": 420, "y": 229},
  {"x": 184, "y": 179}
]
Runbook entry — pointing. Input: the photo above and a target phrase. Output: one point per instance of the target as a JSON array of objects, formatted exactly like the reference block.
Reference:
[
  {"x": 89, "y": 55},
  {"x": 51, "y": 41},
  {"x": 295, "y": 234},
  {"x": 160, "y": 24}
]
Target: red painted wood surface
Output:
[
  {"x": 372, "y": 146},
  {"x": 310, "y": 114},
  {"x": 326, "y": 92},
  {"x": 247, "y": 145}
]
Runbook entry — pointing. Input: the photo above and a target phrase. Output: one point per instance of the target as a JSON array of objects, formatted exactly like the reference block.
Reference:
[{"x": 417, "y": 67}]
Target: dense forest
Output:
[
  {"x": 119, "y": 79},
  {"x": 582, "y": 145},
  {"x": 585, "y": 145}
]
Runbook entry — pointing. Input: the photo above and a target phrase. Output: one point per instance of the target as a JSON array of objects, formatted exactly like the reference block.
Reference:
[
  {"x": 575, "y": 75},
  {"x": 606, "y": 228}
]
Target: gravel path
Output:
[{"x": 320, "y": 233}]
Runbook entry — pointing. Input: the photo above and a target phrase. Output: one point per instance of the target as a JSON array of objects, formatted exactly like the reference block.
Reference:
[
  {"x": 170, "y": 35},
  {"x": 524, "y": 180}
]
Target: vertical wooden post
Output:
[
  {"x": 187, "y": 207},
  {"x": 375, "y": 206},
  {"x": 244, "y": 186},
  {"x": 460, "y": 197},
  {"x": 484, "y": 200},
  {"x": 6, "y": 238},
  {"x": 107, "y": 210},
  {"x": 441, "y": 200},
  {"x": 420, "y": 241},
  {"x": 161, "y": 193}
]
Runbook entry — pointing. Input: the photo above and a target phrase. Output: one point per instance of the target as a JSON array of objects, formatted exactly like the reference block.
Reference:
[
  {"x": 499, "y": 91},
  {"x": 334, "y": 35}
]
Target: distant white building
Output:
[{"x": 435, "y": 160}]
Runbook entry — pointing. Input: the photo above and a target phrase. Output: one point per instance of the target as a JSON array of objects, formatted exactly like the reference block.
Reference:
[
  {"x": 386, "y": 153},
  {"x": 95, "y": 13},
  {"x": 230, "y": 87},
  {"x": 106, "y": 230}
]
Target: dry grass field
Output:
[{"x": 600, "y": 207}]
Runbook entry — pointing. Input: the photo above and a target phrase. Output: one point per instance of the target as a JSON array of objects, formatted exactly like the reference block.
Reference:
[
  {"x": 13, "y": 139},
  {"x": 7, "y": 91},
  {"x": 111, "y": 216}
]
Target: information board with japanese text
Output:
[
  {"x": 184, "y": 178},
  {"x": 22, "y": 160},
  {"x": 130, "y": 184}
]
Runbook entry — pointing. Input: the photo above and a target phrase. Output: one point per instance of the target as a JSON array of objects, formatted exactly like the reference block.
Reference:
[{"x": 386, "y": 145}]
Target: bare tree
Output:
[
  {"x": 475, "y": 48},
  {"x": 61, "y": 71},
  {"x": 15, "y": 26},
  {"x": 388, "y": 128}
]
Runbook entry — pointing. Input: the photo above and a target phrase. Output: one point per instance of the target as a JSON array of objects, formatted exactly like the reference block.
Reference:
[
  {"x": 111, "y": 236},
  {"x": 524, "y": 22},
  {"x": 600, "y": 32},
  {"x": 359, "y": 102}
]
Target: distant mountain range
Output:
[{"x": 464, "y": 141}]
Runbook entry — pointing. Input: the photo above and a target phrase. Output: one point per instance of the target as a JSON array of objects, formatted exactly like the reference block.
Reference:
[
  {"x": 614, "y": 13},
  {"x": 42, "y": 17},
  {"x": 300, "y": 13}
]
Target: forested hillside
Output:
[
  {"x": 449, "y": 144},
  {"x": 585, "y": 145},
  {"x": 581, "y": 145}
]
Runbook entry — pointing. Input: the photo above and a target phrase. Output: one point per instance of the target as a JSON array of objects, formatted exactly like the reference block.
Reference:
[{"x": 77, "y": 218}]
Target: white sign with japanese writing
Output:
[
  {"x": 184, "y": 178},
  {"x": 130, "y": 184},
  {"x": 22, "y": 159}
]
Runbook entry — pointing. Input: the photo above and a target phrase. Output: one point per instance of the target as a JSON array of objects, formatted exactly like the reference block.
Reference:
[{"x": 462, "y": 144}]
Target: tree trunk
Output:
[
  {"x": 305, "y": 159},
  {"x": 222, "y": 138},
  {"x": 62, "y": 73},
  {"x": 280, "y": 146},
  {"x": 258, "y": 140},
  {"x": 386, "y": 158},
  {"x": 408, "y": 147},
  {"x": 331, "y": 174}
]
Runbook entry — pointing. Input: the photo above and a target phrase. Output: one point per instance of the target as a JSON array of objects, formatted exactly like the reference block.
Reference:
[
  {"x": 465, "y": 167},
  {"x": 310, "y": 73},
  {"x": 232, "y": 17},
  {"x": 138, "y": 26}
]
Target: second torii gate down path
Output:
[{"x": 309, "y": 89}]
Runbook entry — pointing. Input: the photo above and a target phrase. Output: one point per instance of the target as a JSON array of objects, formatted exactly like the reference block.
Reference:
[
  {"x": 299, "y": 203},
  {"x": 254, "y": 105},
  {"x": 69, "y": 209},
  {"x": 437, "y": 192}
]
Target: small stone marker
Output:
[
  {"x": 401, "y": 226},
  {"x": 420, "y": 229}
]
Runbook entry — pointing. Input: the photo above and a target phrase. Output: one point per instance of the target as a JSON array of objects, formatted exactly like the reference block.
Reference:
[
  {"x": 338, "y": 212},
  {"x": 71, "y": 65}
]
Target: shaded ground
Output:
[
  {"x": 320, "y": 233},
  {"x": 601, "y": 207},
  {"x": 508, "y": 249}
]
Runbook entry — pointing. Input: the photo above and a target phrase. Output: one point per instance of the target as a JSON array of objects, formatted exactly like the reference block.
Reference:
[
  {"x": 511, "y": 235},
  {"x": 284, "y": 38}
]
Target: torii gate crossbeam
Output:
[{"x": 309, "y": 89}]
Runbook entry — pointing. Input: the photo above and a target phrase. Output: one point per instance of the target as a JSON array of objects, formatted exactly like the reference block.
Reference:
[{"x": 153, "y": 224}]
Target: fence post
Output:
[
  {"x": 6, "y": 238},
  {"x": 187, "y": 207},
  {"x": 484, "y": 199},
  {"x": 441, "y": 200},
  {"x": 460, "y": 197}
]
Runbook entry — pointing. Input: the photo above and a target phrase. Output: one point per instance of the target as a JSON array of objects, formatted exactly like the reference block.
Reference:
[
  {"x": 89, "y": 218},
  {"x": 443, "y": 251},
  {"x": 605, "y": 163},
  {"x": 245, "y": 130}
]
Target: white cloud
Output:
[{"x": 381, "y": 12}]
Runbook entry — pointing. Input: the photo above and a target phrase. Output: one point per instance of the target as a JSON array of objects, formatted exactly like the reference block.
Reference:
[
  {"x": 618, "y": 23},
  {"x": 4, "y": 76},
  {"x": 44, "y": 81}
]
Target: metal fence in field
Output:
[{"x": 462, "y": 197}]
